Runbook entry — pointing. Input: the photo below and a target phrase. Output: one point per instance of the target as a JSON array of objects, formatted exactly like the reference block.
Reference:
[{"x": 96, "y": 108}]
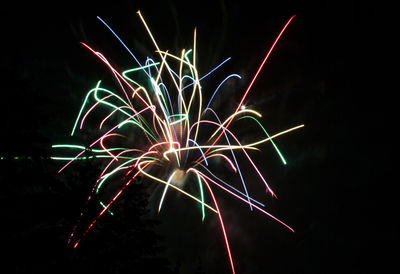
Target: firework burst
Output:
[{"x": 157, "y": 125}]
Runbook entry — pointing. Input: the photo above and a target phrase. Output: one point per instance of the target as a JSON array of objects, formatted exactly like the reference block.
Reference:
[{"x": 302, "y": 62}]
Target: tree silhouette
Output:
[
  {"x": 126, "y": 241},
  {"x": 43, "y": 207}
]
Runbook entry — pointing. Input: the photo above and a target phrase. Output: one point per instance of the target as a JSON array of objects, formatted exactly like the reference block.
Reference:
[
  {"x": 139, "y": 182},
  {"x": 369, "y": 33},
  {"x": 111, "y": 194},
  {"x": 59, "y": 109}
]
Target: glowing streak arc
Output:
[
  {"x": 220, "y": 219},
  {"x": 155, "y": 43},
  {"x": 167, "y": 126},
  {"x": 248, "y": 157},
  {"x": 104, "y": 59},
  {"x": 109, "y": 115},
  {"x": 219, "y": 86},
  {"x": 275, "y": 135},
  {"x": 81, "y": 158},
  {"x": 136, "y": 123},
  {"x": 222, "y": 227},
  {"x": 231, "y": 117},
  {"x": 217, "y": 148},
  {"x": 225, "y": 157},
  {"x": 108, "y": 205},
  {"x": 245, "y": 200},
  {"x": 122, "y": 78},
  {"x": 98, "y": 184},
  {"x": 118, "y": 156},
  {"x": 162, "y": 96},
  {"x": 143, "y": 156},
  {"x": 155, "y": 84},
  {"x": 104, "y": 206},
  {"x": 187, "y": 108},
  {"x": 104, "y": 177},
  {"x": 171, "y": 149},
  {"x": 101, "y": 101},
  {"x": 86, "y": 99},
  {"x": 202, "y": 197},
  {"x": 173, "y": 186},
  {"x": 165, "y": 190},
  {"x": 140, "y": 88},
  {"x": 266, "y": 133},
  {"x": 208, "y": 73},
  {"x": 103, "y": 146},
  {"x": 163, "y": 87},
  {"x": 231, "y": 187},
  {"x": 191, "y": 67},
  {"x": 201, "y": 151},
  {"x": 81, "y": 110},
  {"x": 90, "y": 110},
  {"x": 234, "y": 158},
  {"x": 180, "y": 96},
  {"x": 124, "y": 73},
  {"x": 263, "y": 63},
  {"x": 115, "y": 34},
  {"x": 180, "y": 120},
  {"x": 196, "y": 81},
  {"x": 180, "y": 72},
  {"x": 257, "y": 73},
  {"x": 98, "y": 140}
]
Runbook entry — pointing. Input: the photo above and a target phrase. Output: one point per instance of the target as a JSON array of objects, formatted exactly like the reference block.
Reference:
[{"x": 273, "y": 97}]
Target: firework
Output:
[{"x": 157, "y": 125}]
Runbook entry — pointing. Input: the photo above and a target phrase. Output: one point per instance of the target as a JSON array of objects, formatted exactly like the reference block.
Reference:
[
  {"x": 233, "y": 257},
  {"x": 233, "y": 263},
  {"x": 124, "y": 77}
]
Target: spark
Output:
[{"x": 172, "y": 132}]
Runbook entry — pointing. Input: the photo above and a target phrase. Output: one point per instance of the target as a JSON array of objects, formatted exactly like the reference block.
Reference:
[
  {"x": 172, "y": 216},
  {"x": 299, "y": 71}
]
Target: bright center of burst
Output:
[{"x": 179, "y": 176}]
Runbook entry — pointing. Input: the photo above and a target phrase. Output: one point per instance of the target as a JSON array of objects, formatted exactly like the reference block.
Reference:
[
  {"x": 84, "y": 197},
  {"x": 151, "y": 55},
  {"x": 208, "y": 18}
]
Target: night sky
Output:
[{"x": 336, "y": 191}]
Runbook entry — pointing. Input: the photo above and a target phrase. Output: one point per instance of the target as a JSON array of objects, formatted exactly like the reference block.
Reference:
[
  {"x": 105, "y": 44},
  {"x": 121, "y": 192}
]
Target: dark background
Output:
[{"x": 336, "y": 191}]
